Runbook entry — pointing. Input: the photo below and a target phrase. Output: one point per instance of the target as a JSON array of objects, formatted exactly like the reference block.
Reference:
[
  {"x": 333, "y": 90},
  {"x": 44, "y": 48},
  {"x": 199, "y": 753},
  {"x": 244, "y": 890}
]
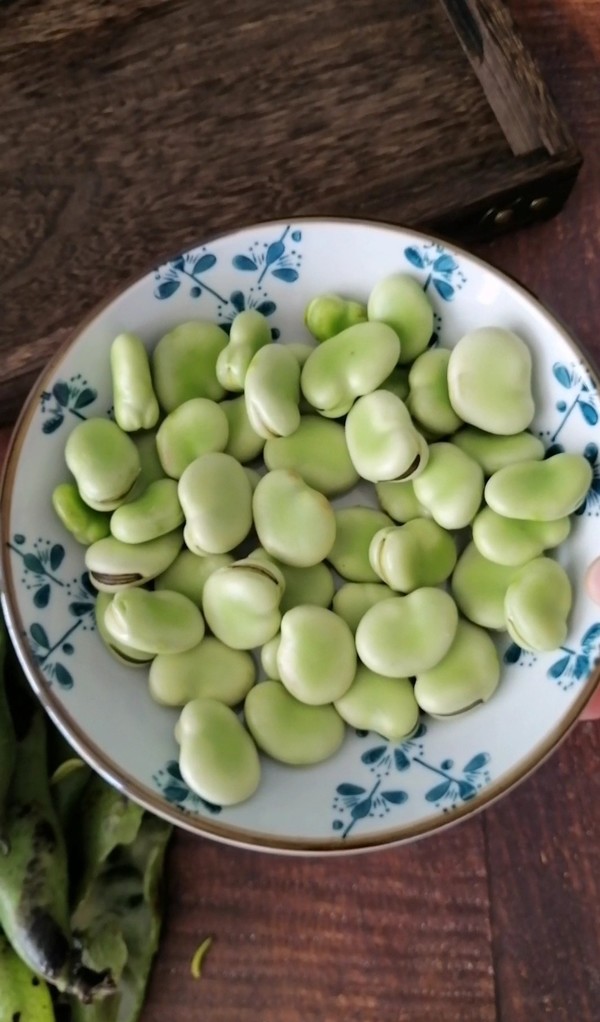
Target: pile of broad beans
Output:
[{"x": 361, "y": 616}]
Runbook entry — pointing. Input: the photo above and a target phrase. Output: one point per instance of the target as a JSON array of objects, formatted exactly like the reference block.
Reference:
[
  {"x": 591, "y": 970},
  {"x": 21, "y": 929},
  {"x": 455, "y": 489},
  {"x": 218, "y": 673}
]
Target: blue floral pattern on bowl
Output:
[{"x": 372, "y": 785}]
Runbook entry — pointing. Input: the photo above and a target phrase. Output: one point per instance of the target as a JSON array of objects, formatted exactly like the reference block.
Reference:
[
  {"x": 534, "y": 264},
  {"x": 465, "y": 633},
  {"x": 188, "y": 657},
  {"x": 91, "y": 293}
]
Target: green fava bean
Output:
[
  {"x": 184, "y": 363},
  {"x": 451, "y": 486},
  {"x": 195, "y": 428},
  {"x": 489, "y": 381},
  {"x": 381, "y": 438},
  {"x": 290, "y": 731},
  {"x": 355, "y": 528},
  {"x": 513, "y": 542},
  {"x": 218, "y": 758},
  {"x": 328, "y": 315},
  {"x": 243, "y": 443},
  {"x": 294, "y": 523},
  {"x": 376, "y": 703},
  {"x": 407, "y": 634},
  {"x": 318, "y": 452},
  {"x": 134, "y": 400},
  {"x": 127, "y": 655},
  {"x": 249, "y": 333},
  {"x": 479, "y": 588},
  {"x": 496, "y": 452},
  {"x": 313, "y": 585},
  {"x": 428, "y": 401},
  {"x": 467, "y": 676},
  {"x": 216, "y": 496},
  {"x": 253, "y": 477},
  {"x": 210, "y": 670},
  {"x": 273, "y": 392},
  {"x": 114, "y": 565},
  {"x": 188, "y": 574},
  {"x": 397, "y": 382},
  {"x": 399, "y": 301},
  {"x": 540, "y": 491},
  {"x": 414, "y": 555},
  {"x": 104, "y": 461},
  {"x": 155, "y": 513},
  {"x": 268, "y": 657},
  {"x": 241, "y": 603},
  {"x": 352, "y": 600},
  {"x": 398, "y": 500},
  {"x": 351, "y": 364},
  {"x": 537, "y": 605},
  {"x": 85, "y": 525},
  {"x": 316, "y": 656},
  {"x": 158, "y": 622}
]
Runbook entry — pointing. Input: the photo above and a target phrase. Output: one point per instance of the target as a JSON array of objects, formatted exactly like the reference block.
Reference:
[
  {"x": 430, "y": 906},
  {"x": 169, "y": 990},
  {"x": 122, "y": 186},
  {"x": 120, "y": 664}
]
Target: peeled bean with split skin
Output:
[
  {"x": 466, "y": 677},
  {"x": 382, "y": 440},
  {"x": 241, "y": 603},
  {"x": 158, "y": 622}
]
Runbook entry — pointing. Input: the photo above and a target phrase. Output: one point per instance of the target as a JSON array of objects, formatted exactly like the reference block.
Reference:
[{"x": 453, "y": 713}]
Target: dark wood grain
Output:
[
  {"x": 115, "y": 148},
  {"x": 131, "y": 130}
]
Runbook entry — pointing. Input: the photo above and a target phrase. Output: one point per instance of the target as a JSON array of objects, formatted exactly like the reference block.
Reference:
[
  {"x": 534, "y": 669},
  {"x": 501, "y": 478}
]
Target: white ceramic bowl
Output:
[{"x": 372, "y": 792}]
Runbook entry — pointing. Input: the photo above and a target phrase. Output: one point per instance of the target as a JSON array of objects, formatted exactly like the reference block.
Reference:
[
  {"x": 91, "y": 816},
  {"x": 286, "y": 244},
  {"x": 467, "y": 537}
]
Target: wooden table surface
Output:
[{"x": 496, "y": 919}]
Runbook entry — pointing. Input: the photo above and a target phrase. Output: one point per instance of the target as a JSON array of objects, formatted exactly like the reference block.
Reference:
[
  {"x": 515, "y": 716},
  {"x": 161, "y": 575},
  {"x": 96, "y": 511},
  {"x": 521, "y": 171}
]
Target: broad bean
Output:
[
  {"x": 382, "y": 440},
  {"x": 194, "y": 428},
  {"x": 104, "y": 461},
  {"x": 496, "y": 452},
  {"x": 155, "y": 513},
  {"x": 407, "y": 634},
  {"x": 428, "y": 401},
  {"x": 211, "y": 670},
  {"x": 540, "y": 491},
  {"x": 114, "y": 565},
  {"x": 134, "y": 400},
  {"x": 450, "y": 486},
  {"x": 184, "y": 363},
  {"x": 241, "y": 602},
  {"x": 272, "y": 392},
  {"x": 154, "y": 622},
  {"x": 349, "y": 365},
  {"x": 85, "y": 525},
  {"x": 489, "y": 381},
  {"x": 414, "y": 555},
  {"x": 216, "y": 497},
  {"x": 513, "y": 542},
  {"x": 291, "y": 731},
  {"x": 268, "y": 657},
  {"x": 376, "y": 703},
  {"x": 537, "y": 605},
  {"x": 327, "y": 315},
  {"x": 125, "y": 654},
  {"x": 354, "y": 530},
  {"x": 317, "y": 450},
  {"x": 243, "y": 443},
  {"x": 479, "y": 587},
  {"x": 217, "y": 758},
  {"x": 399, "y": 301},
  {"x": 316, "y": 656},
  {"x": 466, "y": 677},
  {"x": 294, "y": 523},
  {"x": 249, "y": 332}
]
